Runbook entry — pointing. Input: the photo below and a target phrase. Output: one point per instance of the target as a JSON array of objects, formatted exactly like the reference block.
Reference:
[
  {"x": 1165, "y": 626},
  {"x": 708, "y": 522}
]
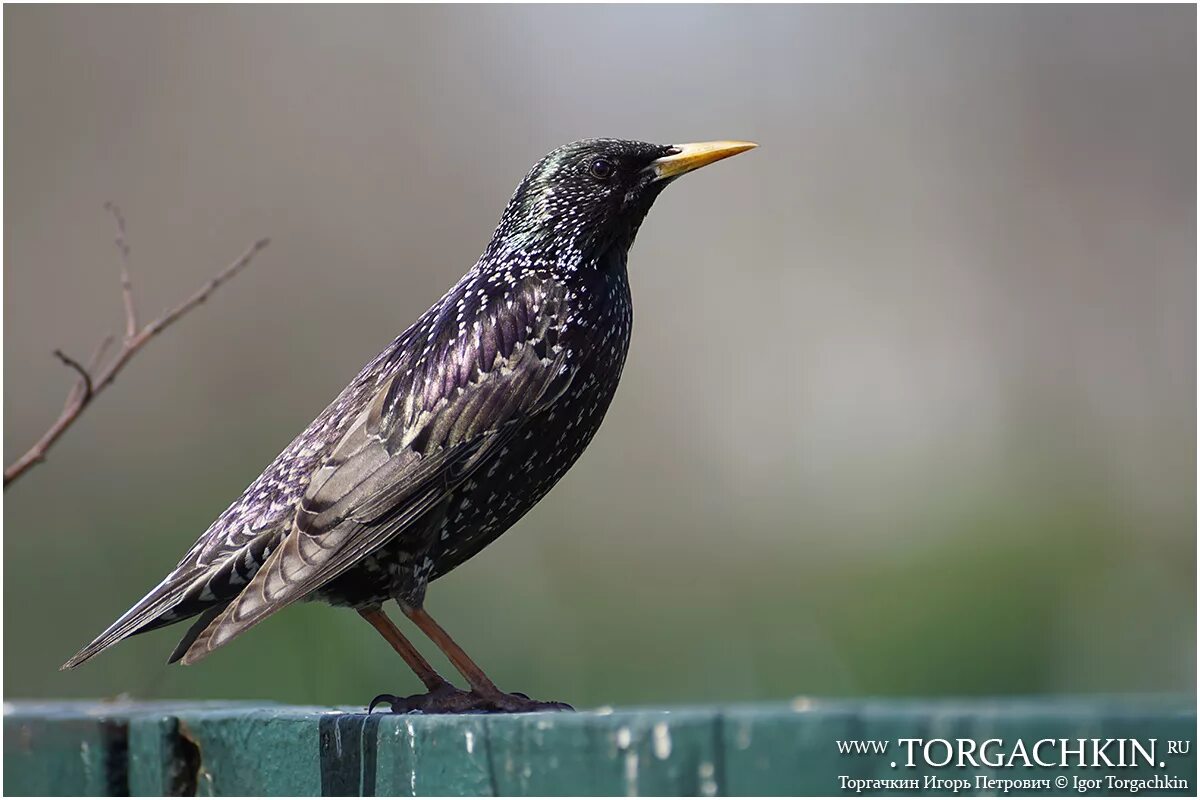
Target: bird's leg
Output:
[
  {"x": 480, "y": 683},
  {"x": 440, "y": 690},
  {"x": 490, "y": 698},
  {"x": 388, "y": 630}
]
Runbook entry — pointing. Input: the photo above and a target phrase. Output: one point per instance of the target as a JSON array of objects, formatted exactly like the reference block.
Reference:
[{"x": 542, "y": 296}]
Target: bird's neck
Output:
[{"x": 562, "y": 256}]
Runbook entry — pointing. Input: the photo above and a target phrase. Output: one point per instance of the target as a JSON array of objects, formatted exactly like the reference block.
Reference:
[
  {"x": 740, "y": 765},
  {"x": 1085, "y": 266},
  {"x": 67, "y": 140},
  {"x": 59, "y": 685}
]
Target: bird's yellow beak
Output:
[{"x": 696, "y": 155}]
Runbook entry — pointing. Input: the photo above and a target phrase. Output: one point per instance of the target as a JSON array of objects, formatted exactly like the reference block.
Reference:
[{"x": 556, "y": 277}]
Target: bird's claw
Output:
[
  {"x": 443, "y": 700},
  {"x": 449, "y": 700},
  {"x": 390, "y": 699}
]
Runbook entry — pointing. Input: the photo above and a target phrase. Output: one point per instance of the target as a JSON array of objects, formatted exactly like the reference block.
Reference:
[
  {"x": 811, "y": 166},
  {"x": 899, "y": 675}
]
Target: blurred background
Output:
[{"x": 910, "y": 406}]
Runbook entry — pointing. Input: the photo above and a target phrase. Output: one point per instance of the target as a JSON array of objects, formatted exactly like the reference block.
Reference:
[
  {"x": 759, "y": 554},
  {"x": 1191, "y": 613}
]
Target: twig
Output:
[
  {"x": 101, "y": 349},
  {"x": 94, "y": 378},
  {"x": 131, "y": 323},
  {"x": 85, "y": 377}
]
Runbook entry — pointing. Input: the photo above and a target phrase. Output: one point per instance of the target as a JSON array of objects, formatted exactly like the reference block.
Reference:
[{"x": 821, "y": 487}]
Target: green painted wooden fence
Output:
[{"x": 776, "y": 749}]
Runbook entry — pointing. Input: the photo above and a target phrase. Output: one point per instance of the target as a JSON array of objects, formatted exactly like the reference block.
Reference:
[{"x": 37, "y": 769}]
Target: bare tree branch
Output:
[
  {"x": 101, "y": 350},
  {"x": 95, "y": 377},
  {"x": 85, "y": 385},
  {"x": 92, "y": 366},
  {"x": 203, "y": 292},
  {"x": 131, "y": 323}
]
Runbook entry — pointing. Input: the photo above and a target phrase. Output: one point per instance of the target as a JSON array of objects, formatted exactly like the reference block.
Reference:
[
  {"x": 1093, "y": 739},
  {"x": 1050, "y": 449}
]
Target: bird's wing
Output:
[
  {"x": 422, "y": 434},
  {"x": 229, "y": 553}
]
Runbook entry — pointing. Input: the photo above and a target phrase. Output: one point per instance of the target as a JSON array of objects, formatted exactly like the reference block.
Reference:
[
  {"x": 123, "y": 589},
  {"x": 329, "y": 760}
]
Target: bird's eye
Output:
[{"x": 602, "y": 169}]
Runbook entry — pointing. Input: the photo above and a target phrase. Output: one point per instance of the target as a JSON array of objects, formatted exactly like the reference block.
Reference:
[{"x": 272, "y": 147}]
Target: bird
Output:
[{"x": 446, "y": 438}]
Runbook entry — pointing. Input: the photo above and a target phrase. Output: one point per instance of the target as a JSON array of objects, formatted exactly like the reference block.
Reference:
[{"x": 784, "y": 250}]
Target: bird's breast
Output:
[{"x": 595, "y": 334}]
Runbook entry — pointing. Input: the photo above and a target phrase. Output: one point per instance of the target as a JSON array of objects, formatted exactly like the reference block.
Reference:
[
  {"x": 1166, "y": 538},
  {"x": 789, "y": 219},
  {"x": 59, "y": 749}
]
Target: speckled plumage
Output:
[{"x": 448, "y": 436}]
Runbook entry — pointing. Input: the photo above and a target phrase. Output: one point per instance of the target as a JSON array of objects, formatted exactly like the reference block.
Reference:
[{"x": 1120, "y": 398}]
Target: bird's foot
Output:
[
  {"x": 446, "y": 699},
  {"x": 517, "y": 703},
  {"x": 449, "y": 700}
]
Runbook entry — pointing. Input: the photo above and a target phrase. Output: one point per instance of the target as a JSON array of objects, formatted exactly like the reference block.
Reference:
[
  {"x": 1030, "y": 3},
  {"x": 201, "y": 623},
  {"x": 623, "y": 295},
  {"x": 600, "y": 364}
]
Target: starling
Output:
[{"x": 445, "y": 439}]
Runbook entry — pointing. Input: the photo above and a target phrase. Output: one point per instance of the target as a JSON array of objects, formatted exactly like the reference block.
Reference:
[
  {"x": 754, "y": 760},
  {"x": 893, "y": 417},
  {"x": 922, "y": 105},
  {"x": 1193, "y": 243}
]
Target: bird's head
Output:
[{"x": 588, "y": 196}]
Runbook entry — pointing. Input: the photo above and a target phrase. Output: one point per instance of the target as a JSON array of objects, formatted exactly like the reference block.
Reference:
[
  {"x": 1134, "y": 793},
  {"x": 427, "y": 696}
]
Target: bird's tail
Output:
[
  {"x": 192, "y": 588},
  {"x": 162, "y": 606},
  {"x": 197, "y": 628}
]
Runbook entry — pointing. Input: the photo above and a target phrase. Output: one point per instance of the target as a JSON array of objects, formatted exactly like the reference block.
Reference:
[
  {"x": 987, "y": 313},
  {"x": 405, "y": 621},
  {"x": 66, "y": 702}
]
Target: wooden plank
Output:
[
  {"x": 418, "y": 756},
  {"x": 159, "y": 765},
  {"x": 256, "y": 751},
  {"x": 271, "y": 751},
  {"x": 76, "y": 748},
  {"x": 772, "y": 749},
  {"x": 624, "y": 753},
  {"x": 64, "y": 749}
]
